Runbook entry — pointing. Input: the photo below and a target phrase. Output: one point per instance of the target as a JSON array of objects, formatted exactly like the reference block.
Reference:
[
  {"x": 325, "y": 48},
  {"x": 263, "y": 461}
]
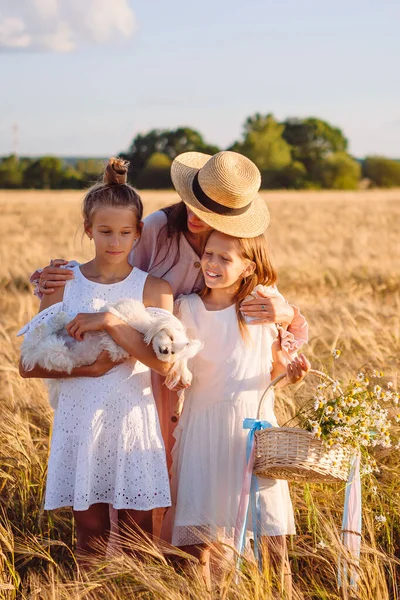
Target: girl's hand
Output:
[
  {"x": 102, "y": 364},
  {"x": 52, "y": 276},
  {"x": 268, "y": 309},
  {"x": 180, "y": 386},
  {"x": 297, "y": 369},
  {"x": 84, "y": 322}
]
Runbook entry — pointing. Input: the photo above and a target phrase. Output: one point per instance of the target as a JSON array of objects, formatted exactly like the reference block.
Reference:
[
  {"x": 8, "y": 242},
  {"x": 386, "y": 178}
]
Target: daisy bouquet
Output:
[{"x": 361, "y": 416}]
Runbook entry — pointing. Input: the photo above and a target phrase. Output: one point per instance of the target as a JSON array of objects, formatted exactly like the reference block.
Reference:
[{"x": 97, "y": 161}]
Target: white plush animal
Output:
[{"x": 48, "y": 344}]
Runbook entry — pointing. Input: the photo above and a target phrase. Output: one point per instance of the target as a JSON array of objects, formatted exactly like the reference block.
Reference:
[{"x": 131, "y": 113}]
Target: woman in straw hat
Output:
[{"x": 218, "y": 192}]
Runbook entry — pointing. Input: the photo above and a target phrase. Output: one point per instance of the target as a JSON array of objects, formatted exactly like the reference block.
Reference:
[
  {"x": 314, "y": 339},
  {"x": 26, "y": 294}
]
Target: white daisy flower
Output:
[{"x": 380, "y": 518}]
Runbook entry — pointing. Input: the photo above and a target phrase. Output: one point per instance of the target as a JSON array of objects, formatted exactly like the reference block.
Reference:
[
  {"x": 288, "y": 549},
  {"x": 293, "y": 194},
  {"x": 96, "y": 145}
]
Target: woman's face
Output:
[
  {"x": 222, "y": 262},
  {"x": 196, "y": 225}
]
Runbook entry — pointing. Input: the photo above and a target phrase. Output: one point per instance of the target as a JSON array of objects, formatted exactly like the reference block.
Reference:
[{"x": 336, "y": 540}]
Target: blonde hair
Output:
[
  {"x": 256, "y": 250},
  {"x": 112, "y": 190}
]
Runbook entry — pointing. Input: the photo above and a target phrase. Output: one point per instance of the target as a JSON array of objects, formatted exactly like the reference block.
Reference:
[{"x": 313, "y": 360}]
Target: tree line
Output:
[{"x": 293, "y": 154}]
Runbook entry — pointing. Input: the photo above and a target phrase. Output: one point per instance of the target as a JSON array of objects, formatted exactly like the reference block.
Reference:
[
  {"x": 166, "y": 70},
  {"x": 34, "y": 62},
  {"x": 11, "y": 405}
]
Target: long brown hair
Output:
[
  {"x": 171, "y": 232},
  {"x": 112, "y": 190},
  {"x": 256, "y": 250}
]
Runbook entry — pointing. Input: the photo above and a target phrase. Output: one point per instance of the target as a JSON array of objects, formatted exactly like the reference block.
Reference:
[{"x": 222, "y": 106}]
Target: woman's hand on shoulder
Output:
[
  {"x": 53, "y": 277},
  {"x": 56, "y": 296},
  {"x": 158, "y": 293},
  {"x": 268, "y": 308},
  {"x": 297, "y": 369}
]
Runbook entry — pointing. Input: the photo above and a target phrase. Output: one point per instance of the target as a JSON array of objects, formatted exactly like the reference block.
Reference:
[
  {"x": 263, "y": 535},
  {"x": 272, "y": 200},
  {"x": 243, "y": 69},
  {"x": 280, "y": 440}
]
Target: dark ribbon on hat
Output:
[{"x": 211, "y": 204}]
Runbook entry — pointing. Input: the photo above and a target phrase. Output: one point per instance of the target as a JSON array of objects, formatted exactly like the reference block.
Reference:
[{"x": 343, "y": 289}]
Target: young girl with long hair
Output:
[
  {"x": 106, "y": 447},
  {"x": 236, "y": 364}
]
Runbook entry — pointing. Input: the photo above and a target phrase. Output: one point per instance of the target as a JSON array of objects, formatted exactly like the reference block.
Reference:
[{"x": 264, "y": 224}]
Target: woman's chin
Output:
[{"x": 197, "y": 228}]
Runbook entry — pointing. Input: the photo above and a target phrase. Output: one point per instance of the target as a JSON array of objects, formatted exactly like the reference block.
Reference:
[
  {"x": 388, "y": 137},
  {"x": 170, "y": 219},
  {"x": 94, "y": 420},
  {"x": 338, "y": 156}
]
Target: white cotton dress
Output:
[
  {"x": 106, "y": 444},
  {"x": 209, "y": 456}
]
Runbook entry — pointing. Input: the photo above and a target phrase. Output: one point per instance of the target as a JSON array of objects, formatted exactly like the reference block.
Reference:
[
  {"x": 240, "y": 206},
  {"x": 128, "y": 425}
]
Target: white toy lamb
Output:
[{"x": 48, "y": 344}]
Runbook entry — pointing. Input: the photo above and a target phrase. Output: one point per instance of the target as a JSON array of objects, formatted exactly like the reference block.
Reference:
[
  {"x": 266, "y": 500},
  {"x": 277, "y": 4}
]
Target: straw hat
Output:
[{"x": 222, "y": 190}]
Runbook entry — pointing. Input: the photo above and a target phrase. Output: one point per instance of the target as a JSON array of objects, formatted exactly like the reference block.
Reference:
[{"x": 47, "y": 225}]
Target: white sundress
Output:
[
  {"x": 106, "y": 444},
  {"x": 209, "y": 456}
]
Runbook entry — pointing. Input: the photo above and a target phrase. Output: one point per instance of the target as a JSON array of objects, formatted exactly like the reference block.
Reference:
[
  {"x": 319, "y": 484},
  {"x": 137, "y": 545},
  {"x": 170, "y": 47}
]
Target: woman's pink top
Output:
[{"x": 185, "y": 276}]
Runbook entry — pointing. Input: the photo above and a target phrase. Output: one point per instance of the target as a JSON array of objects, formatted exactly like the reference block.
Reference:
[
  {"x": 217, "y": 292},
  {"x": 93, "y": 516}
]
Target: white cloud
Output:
[
  {"x": 13, "y": 33},
  {"x": 61, "y": 40},
  {"x": 63, "y": 25}
]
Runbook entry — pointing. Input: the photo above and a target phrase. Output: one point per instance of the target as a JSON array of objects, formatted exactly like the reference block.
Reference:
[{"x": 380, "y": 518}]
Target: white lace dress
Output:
[
  {"x": 209, "y": 456},
  {"x": 106, "y": 444}
]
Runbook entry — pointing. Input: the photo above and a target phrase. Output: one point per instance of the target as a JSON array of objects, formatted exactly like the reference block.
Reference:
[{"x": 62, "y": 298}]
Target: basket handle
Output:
[{"x": 273, "y": 383}]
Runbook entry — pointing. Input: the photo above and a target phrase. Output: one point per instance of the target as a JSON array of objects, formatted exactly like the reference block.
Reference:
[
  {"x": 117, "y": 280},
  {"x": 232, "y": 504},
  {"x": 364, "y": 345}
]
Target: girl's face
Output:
[
  {"x": 222, "y": 262},
  {"x": 196, "y": 225},
  {"x": 113, "y": 230}
]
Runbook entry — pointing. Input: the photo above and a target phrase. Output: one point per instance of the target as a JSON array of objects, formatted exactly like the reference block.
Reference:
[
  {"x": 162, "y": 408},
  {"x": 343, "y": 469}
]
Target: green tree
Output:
[
  {"x": 340, "y": 172},
  {"x": 89, "y": 170},
  {"x": 170, "y": 142},
  {"x": 72, "y": 179},
  {"x": 312, "y": 140},
  {"x": 44, "y": 173},
  {"x": 263, "y": 143},
  {"x": 11, "y": 172},
  {"x": 156, "y": 173},
  {"x": 382, "y": 171},
  {"x": 185, "y": 139},
  {"x": 292, "y": 177}
]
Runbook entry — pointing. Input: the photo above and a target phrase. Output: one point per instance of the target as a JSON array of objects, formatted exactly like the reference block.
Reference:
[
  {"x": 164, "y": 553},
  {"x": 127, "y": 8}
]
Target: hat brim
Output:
[{"x": 249, "y": 224}]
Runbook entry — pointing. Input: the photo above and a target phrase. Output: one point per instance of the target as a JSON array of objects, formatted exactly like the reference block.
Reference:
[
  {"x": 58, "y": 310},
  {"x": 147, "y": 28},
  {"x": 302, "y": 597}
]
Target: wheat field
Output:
[{"x": 338, "y": 259}]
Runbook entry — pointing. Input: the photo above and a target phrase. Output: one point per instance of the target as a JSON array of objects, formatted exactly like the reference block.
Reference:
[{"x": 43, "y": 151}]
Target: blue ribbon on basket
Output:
[{"x": 249, "y": 495}]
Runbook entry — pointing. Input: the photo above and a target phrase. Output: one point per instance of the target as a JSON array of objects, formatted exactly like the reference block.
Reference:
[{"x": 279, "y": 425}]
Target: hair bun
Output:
[{"x": 116, "y": 172}]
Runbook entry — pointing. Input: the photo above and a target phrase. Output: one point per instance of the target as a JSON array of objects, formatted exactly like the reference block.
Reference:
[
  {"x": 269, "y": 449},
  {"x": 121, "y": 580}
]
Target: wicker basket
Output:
[{"x": 294, "y": 454}]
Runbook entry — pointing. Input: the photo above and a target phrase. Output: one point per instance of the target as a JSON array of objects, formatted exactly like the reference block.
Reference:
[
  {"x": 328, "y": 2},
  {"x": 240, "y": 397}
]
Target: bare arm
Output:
[
  {"x": 51, "y": 277},
  {"x": 156, "y": 293},
  {"x": 273, "y": 308},
  {"x": 102, "y": 365},
  {"x": 132, "y": 342},
  {"x": 295, "y": 371},
  {"x": 49, "y": 300},
  {"x": 268, "y": 308}
]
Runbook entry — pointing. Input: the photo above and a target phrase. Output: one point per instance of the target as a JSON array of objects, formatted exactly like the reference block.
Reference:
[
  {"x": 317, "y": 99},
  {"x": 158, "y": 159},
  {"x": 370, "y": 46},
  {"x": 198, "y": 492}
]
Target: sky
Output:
[{"x": 83, "y": 77}]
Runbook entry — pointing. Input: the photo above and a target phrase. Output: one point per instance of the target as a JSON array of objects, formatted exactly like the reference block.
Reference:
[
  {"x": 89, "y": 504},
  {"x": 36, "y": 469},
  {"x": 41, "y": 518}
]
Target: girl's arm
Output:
[
  {"x": 101, "y": 366},
  {"x": 295, "y": 370},
  {"x": 156, "y": 293}
]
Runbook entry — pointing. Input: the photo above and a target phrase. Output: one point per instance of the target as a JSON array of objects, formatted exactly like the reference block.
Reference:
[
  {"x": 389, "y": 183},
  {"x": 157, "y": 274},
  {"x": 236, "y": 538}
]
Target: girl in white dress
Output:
[
  {"x": 106, "y": 446},
  {"x": 230, "y": 373}
]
